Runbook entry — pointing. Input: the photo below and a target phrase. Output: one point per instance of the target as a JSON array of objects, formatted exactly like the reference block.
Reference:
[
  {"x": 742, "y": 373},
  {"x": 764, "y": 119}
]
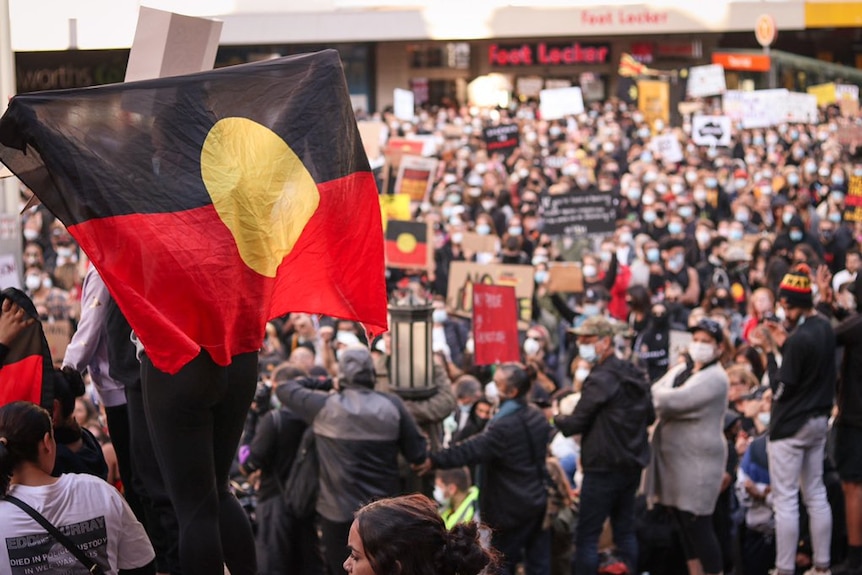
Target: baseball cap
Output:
[{"x": 596, "y": 325}]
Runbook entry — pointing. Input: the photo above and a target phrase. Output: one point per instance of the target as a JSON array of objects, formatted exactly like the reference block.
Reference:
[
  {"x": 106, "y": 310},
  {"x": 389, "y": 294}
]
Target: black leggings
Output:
[
  {"x": 699, "y": 540},
  {"x": 195, "y": 418}
]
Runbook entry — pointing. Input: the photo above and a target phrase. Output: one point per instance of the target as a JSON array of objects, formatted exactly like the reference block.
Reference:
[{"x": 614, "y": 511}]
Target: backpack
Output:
[{"x": 303, "y": 482}]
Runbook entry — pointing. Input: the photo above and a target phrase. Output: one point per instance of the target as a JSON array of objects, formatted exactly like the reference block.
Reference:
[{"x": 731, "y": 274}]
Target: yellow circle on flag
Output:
[
  {"x": 260, "y": 189},
  {"x": 406, "y": 243}
]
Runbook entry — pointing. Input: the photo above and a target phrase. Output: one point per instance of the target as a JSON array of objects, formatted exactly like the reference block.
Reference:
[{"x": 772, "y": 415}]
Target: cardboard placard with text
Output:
[
  {"x": 495, "y": 325},
  {"x": 415, "y": 177},
  {"x": 478, "y": 243},
  {"x": 565, "y": 277},
  {"x": 464, "y": 275},
  {"x": 58, "y": 333}
]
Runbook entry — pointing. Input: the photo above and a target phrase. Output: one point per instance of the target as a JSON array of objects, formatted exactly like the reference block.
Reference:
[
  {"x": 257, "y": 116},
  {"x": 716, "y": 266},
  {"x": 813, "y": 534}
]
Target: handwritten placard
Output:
[{"x": 495, "y": 324}]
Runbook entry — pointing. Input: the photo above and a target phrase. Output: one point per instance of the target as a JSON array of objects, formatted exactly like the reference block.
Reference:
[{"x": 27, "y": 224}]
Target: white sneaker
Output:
[{"x": 815, "y": 571}]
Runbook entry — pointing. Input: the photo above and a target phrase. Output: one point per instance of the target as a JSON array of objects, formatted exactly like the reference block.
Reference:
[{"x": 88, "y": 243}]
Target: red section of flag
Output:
[
  {"x": 183, "y": 284},
  {"x": 495, "y": 324},
  {"x": 21, "y": 381},
  {"x": 396, "y": 256}
]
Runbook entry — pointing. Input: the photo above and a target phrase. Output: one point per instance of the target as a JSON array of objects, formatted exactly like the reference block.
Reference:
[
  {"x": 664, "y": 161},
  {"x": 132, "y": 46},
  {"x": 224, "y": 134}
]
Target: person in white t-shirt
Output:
[{"x": 86, "y": 509}]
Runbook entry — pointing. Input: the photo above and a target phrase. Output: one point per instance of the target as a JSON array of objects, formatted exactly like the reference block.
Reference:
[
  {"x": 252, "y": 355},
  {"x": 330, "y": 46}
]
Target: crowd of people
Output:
[{"x": 667, "y": 418}]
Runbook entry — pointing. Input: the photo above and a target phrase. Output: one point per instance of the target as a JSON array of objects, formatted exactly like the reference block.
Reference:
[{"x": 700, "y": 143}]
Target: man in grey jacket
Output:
[{"x": 359, "y": 433}]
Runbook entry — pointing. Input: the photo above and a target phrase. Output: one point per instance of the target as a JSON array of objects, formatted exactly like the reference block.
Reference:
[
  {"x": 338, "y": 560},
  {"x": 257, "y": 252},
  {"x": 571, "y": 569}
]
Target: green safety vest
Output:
[{"x": 468, "y": 509}]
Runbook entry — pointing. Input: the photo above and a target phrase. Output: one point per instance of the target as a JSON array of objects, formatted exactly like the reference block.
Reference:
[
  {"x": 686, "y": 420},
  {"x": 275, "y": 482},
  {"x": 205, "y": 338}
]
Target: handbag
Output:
[{"x": 63, "y": 540}]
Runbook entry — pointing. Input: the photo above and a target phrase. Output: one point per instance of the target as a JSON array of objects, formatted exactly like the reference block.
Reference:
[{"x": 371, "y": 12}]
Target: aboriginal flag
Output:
[
  {"x": 407, "y": 244},
  {"x": 213, "y": 202},
  {"x": 26, "y": 371}
]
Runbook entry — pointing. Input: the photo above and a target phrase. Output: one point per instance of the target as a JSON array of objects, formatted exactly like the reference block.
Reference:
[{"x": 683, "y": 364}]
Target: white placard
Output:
[
  {"x": 849, "y": 92},
  {"x": 529, "y": 86},
  {"x": 759, "y": 109},
  {"x": 711, "y": 130},
  {"x": 706, "y": 81},
  {"x": 667, "y": 146},
  {"x": 561, "y": 102},
  {"x": 800, "y": 108},
  {"x": 403, "y": 104},
  {"x": 9, "y": 276}
]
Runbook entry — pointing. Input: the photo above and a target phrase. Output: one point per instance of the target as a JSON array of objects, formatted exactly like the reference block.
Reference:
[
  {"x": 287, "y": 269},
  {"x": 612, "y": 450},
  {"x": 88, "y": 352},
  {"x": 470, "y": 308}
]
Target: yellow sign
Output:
[
  {"x": 833, "y": 14},
  {"x": 853, "y": 200},
  {"x": 825, "y": 93},
  {"x": 654, "y": 101},
  {"x": 394, "y": 207}
]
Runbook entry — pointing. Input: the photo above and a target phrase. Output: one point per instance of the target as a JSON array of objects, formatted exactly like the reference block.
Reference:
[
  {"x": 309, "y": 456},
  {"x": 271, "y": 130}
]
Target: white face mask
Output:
[
  {"x": 33, "y": 282},
  {"x": 30, "y": 235},
  {"x": 587, "y": 351},
  {"x": 581, "y": 373},
  {"x": 764, "y": 418},
  {"x": 531, "y": 346},
  {"x": 589, "y": 270},
  {"x": 701, "y": 352},
  {"x": 440, "y": 497}
]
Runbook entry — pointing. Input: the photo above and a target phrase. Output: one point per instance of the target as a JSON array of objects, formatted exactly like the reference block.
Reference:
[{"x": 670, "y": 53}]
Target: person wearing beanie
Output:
[
  {"x": 358, "y": 433},
  {"x": 803, "y": 390}
]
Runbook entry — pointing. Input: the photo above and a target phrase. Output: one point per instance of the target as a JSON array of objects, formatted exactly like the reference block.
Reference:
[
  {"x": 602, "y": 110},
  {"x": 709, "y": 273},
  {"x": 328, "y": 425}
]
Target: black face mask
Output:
[{"x": 660, "y": 320}]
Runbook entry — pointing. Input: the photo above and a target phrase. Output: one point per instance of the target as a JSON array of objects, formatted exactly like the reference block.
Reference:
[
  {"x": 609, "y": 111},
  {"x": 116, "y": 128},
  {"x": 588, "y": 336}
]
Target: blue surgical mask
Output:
[
  {"x": 793, "y": 179},
  {"x": 589, "y": 270},
  {"x": 633, "y": 194},
  {"x": 735, "y": 235},
  {"x": 686, "y": 211},
  {"x": 515, "y": 230},
  {"x": 483, "y": 229},
  {"x": 652, "y": 255},
  {"x": 711, "y": 182},
  {"x": 587, "y": 351},
  {"x": 590, "y": 309},
  {"x": 674, "y": 228},
  {"x": 439, "y": 316},
  {"x": 650, "y": 217},
  {"x": 541, "y": 276},
  {"x": 838, "y": 180},
  {"x": 786, "y": 217},
  {"x": 835, "y": 217},
  {"x": 836, "y": 197},
  {"x": 742, "y": 216},
  {"x": 796, "y": 235}
]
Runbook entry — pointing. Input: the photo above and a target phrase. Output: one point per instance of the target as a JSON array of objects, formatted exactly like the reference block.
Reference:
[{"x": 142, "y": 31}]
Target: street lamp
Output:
[{"x": 411, "y": 367}]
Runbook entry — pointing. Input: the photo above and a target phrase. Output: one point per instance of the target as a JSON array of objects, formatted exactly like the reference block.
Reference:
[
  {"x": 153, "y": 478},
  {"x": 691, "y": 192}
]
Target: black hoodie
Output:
[{"x": 612, "y": 415}]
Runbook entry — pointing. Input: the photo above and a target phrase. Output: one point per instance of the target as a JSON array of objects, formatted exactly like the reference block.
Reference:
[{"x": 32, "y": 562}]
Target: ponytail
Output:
[{"x": 22, "y": 427}]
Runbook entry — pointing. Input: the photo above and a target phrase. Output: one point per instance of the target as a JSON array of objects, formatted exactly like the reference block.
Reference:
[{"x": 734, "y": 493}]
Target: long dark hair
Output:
[
  {"x": 407, "y": 535},
  {"x": 22, "y": 427}
]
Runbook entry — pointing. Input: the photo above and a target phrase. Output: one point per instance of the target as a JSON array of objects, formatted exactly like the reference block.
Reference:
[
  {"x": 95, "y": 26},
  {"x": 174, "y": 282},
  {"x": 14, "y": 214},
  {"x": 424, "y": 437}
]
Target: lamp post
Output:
[{"x": 411, "y": 367}]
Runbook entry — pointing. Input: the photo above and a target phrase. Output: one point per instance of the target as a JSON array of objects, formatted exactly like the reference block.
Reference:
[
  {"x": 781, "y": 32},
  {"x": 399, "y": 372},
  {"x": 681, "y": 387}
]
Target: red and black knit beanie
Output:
[{"x": 795, "y": 288}]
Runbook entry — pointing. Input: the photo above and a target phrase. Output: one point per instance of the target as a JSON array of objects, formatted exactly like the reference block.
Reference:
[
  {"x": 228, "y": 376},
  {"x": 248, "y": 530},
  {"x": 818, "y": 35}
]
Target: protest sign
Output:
[
  {"x": 495, "y": 324},
  {"x": 849, "y": 135},
  {"x": 705, "y": 81},
  {"x": 58, "y": 333},
  {"x": 654, "y": 101},
  {"x": 394, "y": 207},
  {"x": 529, "y": 86},
  {"x": 372, "y": 134},
  {"x": 463, "y": 276},
  {"x": 415, "y": 177},
  {"x": 565, "y": 277},
  {"x": 800, "y": 108},
  {"x": 558, "y": 103},
  {"x": 667, "y": 146},
  {"x": 825, "y": 93},
  {"x": 576, "y": 213},
  {"x": 502, "y": 139},
  {"x": 476, "y": 243},
  {"x": 407, "y": 245},
  {"x": 677, "y": 345},
  {"x": 711, "y": 130},
  {"x": 403, "y": 106},
  {"x": 9, "y": 276},
  {"x": 853, "y": 200}
]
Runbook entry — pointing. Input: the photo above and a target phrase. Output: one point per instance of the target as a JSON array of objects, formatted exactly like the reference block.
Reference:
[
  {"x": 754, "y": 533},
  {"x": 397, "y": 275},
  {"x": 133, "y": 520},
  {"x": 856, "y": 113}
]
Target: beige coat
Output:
[{"x": 688, "y": 445}]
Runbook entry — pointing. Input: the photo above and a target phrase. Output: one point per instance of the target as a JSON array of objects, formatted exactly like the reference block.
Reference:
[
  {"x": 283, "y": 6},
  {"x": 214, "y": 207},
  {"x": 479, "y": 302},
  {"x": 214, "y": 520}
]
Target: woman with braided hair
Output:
[{"x": 407, "y": 535}]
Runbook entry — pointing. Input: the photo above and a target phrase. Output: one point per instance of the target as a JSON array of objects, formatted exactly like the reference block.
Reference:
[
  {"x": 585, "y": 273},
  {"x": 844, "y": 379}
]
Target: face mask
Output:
[
  {"x": 583, "y": 182},
  {"x": 857, "y": 172},
  {"x": 541, "y": 276},
  {"x": 811, "y": 168},
  {"x": 699, "y": 196},
  {"x": 31, "y": 235},
  {"x": 739, "y": 183},
  {"x": 796, "y": 236},
  {"x": 581, "y": 374},
  {"x": 711, "y": 183},
  {"x": 47, "y": 283},
  {"x": 676, "y": 262},
  {"x": 483, "y": 229},
  {"x": 661, "y": 188},
  {"x": 650, "y": 177},
  {"x": 590, "y": 309},
  {"x": 646, "y": 157},
  {"x": 606, "y": 257},
  {"x": 677, "y": 189},
  {"x": 793, "y": 179},
  {"x": 757, "y": 140},
  {"x": 674, "y": 228},
  {"x": 453, "y": 198},
  {"x": 691, "y": 177},
  {"x": 439, "y": 316},
  {"x": 440, "y": 498},
  {"x": 835, "y": 217},
  {"x": 780, "y": 313},
  {"x": 701, "y": 352},
  {"x": 652, "y": 255},
  {"x": 474, "y": 192},
  {"x": 649, "y": 217},
  {"x": 531, "y": 346},
  {"x": 626, "y": 238},
  {"x": 516, "y": 230},
  {"x": 446, "y": 212},
  {"x": 686, "y": 212},
  {"x": 735, "y": 235},
  {"x": 587, "y": 351},
  {"x": 33, "y": 282},
  {"x": 633, "y": 194},
  {"x": 742, "y": 217},
  {"x": 488, "y": 205},
  {"x": 648, "y": 200},
  {"x": 67, "y": 252},
  {"x": 589, "y": 270},
  {"x": 449, "y": 179},
  {"x": 703, "y": 238},
  {"x": 836, "y": 197},
  {"x": 823, "y": 172},
  {"x": 763, "y": 417},
  {"x": 457, "y": 238},
  {"x": 786, "y": 217}
]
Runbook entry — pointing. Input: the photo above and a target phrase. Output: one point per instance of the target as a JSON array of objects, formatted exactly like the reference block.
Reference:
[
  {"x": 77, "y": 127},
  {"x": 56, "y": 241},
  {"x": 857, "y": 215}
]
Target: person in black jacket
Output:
[
  {"x": 512, "y": 487},
  {"x": 612, "y": 417}
]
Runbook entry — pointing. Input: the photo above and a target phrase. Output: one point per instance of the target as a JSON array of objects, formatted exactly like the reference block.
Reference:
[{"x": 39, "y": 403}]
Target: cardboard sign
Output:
[
  {"x": 394, "y": 207},
  {"x": 168, "y": 44},
  {"x": 463, "y": 276},
  {"x": 557, "y": 103},
  {"x": 667, "y": 146},
  {"x": 529, "y": 86},
  {"x": 849, "y": 135},
  {"x": 825, "y": 93},
  {"x": 403, "y": 104},
  {"x": 478, "y": 243},
  {"x": 502, "y": 139},
  {"x": 577, "y": 213},
  {"x": 711, "y": 130},
  {"x": 849, "y": 108},
  {"x": 706, "y": 81},
  {"x": 58, "y": 333},
  {"x": 9, "y": 275},
  {"x": 654, "y": 101},
  {"x": 565, "y": 277},
  {"x": 415, "y": 177},
  {"x": 372, "y": 134},
  {"x": 853, "y": 200},
  {"x": 495, "y": 324}
]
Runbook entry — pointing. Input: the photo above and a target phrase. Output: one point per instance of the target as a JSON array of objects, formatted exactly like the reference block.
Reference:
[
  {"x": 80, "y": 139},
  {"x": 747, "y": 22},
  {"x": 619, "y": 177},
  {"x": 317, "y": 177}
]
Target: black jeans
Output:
[
  {"x": 528, "y": 542},
  {"x": 603, "y": 495},
  {"x": 195, "y": 419},
  {"x": 333, "y": 537},
  {"x": 286, "y": 545}
]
